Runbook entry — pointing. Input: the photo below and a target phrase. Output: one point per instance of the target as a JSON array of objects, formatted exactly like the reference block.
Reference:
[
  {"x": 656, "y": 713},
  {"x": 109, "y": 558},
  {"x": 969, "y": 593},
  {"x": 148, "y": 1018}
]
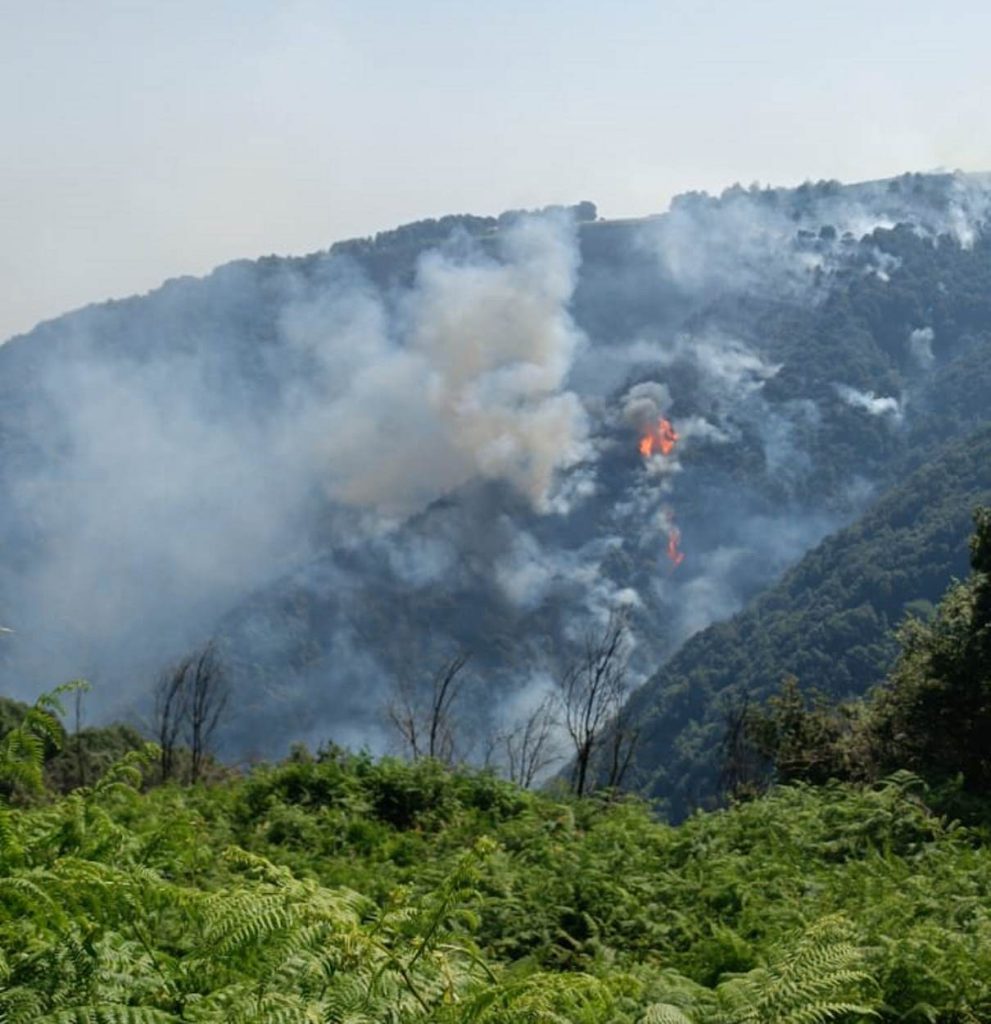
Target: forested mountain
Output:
[
  {"x": 830, "y": 621},
  {"x": 345, "y": 468}
]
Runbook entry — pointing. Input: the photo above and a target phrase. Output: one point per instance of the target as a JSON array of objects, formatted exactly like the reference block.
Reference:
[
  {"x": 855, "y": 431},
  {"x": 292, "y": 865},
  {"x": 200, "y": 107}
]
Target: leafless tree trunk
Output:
[
  {"x": 190, "y": 698},
  {"x": 78, "y": 740},
  {"x": 622, "y": 743},
  {"x": 591, "y": 693},
  {"x": 447, "y": 687},
  {"x": 427, "y": 728},
  {"x": 402, "y": 712},
  {"x": 743, "y": 771},
  {"x": 529, "y": 746},
  {"x": 209, "y": 693},
  {"x": 171, "y": 705}
]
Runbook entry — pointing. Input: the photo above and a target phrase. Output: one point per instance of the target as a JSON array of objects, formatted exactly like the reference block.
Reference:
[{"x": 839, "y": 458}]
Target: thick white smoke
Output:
[
  {"x": 772, "y": 242},
  {"x": 645, "y": 403},
  {"x": 920, "y": 346},
  {"x": 176, "y": 481},
  {"x": 435, "y": 432},
  {"x": 874, "y": 405},
  {"x": 465, "y": 380}
]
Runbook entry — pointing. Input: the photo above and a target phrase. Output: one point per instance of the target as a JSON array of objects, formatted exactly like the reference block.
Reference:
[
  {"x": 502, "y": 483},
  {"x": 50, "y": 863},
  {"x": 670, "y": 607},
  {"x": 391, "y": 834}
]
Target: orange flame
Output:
[
  {"x": 676, "y": 555},
  {"x": 661, "y": 438}
]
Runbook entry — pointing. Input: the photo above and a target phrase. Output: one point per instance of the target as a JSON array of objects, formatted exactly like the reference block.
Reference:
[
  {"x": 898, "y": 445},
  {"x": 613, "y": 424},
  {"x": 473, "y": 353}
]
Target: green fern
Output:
[{"x": 819, "y": 978}]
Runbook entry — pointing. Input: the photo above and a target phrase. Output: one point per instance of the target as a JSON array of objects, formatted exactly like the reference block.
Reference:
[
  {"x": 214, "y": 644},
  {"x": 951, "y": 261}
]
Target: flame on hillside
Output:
[
  {"x": 676, "y": 555},
  {"x": 661, "y": 440}
]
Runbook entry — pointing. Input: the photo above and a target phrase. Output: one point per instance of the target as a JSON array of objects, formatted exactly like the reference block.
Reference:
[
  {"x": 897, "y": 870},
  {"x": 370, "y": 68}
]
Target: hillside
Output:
[
  {"x": 349, "y": 888},
  {"x": 829, "y": 621},
  {"x": 343, "y": 468}
]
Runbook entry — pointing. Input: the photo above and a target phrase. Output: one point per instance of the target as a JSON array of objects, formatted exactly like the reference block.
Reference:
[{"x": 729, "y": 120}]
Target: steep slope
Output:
[
  {"x": 775, "y": 453},
  {"x": 828, "y": 621},
  {"x": 348, "y": 465}
]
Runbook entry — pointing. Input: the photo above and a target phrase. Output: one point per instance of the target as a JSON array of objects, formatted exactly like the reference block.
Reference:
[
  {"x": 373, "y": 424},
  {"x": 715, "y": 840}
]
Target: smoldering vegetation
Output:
[{"x": 345, "y": 468}]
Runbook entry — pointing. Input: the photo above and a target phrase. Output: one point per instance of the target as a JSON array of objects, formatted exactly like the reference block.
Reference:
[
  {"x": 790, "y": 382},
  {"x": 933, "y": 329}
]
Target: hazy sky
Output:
[{"x": 142, "y": 140}]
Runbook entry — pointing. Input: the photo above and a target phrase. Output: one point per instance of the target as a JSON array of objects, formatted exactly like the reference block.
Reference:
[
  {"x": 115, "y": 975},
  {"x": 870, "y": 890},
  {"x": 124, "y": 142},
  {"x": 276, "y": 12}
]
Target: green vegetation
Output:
[
  {"x": 368, "y": 892},
  {"x": 358, "y": 891},
  {"x": 932, "y": 715},
  {"x": 72, "y": 758},
  {"x": 337, "y": 888},
  {"x": 830, "y": 622}
]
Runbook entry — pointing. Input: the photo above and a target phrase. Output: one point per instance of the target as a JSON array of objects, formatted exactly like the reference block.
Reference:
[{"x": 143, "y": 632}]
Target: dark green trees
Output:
[{"x": 934, "y": 716}]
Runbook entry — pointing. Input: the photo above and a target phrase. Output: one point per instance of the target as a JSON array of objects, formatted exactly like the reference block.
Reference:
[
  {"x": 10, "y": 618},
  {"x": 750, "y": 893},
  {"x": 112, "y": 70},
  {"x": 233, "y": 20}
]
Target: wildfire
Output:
[
  {"x": 676, "y": 555},
  {"x": 661, "y": 438}
]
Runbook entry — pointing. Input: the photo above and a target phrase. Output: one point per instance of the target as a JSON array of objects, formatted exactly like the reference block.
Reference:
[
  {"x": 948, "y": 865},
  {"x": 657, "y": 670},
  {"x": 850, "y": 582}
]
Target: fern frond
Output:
[
  {"x": 109, "y": 1013},
  {"x": 665, "y": 1013}
]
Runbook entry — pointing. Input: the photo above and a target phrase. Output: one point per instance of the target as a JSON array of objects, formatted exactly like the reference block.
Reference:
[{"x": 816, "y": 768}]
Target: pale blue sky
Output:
[{"x": 150, "y": 138}]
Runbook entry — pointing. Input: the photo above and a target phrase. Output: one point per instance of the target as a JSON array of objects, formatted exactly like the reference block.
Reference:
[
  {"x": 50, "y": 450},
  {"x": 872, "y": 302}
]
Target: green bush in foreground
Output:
[{"x": 343, "y": 889}]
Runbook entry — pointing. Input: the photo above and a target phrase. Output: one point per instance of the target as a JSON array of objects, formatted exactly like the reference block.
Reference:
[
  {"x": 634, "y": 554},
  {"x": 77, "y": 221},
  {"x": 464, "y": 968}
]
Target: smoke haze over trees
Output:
[{"x": 334, "y": 465}]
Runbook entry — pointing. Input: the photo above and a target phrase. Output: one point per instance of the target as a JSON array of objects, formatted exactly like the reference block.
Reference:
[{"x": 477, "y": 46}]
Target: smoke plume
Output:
[
  {"x": 872, "y": 404},
  {"x": 348, "y": 465},
  {"x": 183, "y": 443}
]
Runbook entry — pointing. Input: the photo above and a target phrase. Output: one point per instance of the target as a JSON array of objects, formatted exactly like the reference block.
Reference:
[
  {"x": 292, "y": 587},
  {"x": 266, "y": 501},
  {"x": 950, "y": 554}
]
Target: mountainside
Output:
[
  {"x": 829, "y": 621},
  {"x": 347, "y": 466},
  {"x": 339, "y": 886}
]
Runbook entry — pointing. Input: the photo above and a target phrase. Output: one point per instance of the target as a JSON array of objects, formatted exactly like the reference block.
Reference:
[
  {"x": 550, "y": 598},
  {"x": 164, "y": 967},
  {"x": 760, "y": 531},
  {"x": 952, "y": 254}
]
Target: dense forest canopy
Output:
[
  {"x": 678, "y": 505},
  {"x": 340, "y": 471}
]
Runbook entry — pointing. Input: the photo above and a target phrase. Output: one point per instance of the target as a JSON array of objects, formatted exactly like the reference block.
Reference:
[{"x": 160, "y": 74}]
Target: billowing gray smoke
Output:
[
  {"x": 181, "y": 461},
  {"x": 465, "y": 378},
  {"x": 350, "y": 465}
]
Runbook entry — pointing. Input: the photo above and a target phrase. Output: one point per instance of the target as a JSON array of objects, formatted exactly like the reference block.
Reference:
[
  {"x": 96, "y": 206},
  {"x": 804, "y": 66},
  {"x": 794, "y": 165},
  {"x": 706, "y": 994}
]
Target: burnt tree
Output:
[
  {"x": 190, "y": 700},
  {"x": 591, "y": 694},
  {"x": 529, "y": 747},
  {"x": 426, "y": 724}
]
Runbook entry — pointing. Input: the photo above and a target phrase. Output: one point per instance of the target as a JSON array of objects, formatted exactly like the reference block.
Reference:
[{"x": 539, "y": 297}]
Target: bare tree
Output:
[
  {"x": 78, "y": 740},
  {"x": 209, "y": 693},
  {"x": 427, "y": 726},
  {"x": 529, "y": 746},
  {"x": 189, "y": 701},
  {"x": 621, "y": 744},
  {"x": 591, "y": 693},
  {"x": 403, "y": 712},
  {"x": 171, "y": 706}
]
